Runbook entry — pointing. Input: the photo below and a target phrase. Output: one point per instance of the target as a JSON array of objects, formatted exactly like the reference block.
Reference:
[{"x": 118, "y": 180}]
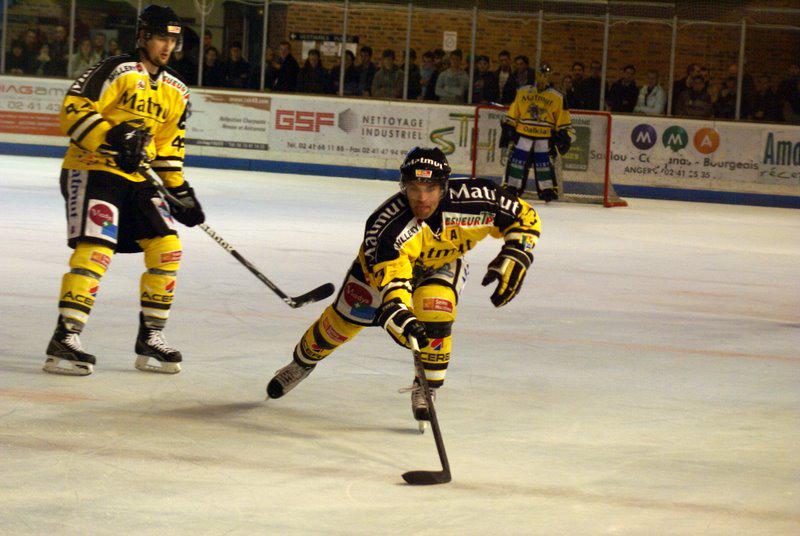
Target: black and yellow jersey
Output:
[
  {"x": 120, "y": 89},
  {"x": 537, "y": 113},
  {"x": 395, "y": 240}
]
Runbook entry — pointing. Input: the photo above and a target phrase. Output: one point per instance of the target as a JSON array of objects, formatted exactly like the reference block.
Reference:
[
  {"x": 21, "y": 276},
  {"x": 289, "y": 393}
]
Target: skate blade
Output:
[
  {"x": 65, "y": 367},
  {"x": 421, "y": 425},
  {"x": 143, "y": 364}
]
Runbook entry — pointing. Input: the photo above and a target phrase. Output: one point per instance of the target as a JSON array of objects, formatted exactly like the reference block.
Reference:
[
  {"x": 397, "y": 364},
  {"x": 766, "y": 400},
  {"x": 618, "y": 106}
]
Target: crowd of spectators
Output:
[{"x": 440, "y": 76}]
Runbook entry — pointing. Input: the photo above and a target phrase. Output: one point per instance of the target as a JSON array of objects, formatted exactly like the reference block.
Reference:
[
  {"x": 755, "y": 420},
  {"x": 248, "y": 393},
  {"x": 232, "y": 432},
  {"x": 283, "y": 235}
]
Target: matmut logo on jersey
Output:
[
  {"x": 455, "y": 219},
  {"x": 303, "y": 121}
]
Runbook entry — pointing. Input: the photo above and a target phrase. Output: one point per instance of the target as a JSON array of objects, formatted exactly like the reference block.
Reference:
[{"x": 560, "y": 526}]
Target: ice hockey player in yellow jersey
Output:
[
  {"x": 122, "y": 112},
  {"x": 410, "y": 268},
  {"x": 537, "y": 126}
]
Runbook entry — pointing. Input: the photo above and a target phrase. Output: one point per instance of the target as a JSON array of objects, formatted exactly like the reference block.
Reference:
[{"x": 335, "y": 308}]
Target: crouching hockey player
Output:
[
  {"x": 538, "y": 129},
  {"x": 410, "y": 269},
  {"x": 121, "y": 112}
]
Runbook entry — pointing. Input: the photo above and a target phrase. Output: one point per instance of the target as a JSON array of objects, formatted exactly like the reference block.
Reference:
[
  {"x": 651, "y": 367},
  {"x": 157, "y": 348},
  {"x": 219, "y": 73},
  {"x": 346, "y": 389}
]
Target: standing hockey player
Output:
[
  {"x": 410, "y": 268},
  {"x": 122, "y": 112},
  {"x": 537, "y": 127}
]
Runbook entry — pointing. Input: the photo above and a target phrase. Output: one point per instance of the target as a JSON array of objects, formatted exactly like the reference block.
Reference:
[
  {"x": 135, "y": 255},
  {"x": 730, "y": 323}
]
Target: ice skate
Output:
[
  {"x": 419, "y": 406},
  {"x": 287, "y": 378},
  {"x": 65, "y": 354},
  {"x": 150, "y": 344}
]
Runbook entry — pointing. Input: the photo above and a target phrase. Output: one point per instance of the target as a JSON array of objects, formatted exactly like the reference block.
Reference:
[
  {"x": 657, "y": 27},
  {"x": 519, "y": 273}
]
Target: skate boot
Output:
[
  {"x": 65, "y": 354},
  {"x": 287, "y": 378},
  {"x": 419, "y": 406},
  {"x": 150, "y": 344}
]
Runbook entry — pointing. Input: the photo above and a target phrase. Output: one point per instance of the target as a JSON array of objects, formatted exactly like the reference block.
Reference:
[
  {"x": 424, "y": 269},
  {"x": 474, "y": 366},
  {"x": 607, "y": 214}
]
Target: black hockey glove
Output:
[
  {"x": 508, "y": 269},
  {"x": 508, "y": 134},
  {"x": 560, "y": 141},
  {"x": 128, "y": 145},
  {"x": 188, "y": 212},
  {"x": 395, "y": 318}
]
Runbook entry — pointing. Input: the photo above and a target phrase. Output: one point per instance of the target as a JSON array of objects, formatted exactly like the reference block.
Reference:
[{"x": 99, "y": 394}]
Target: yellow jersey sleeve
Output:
[{"x": 170, "y": 137}]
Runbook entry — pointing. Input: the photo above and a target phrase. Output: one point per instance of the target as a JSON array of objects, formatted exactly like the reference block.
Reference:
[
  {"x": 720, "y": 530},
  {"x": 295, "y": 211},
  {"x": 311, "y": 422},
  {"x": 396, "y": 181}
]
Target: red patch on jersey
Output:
[
  {"x": 332, "y": 333},
  {"x": 356, "y": 294},
  {"x": 171, "y": 256},
  {"x": 436, "y": 344},
  {"x": 101, "y": 214},
  {"x": 100, "y": 258},
  {"x": 170, "y": 286},
  {"x": 93, "y": 290},
  {"x": 437, "y": 304}
]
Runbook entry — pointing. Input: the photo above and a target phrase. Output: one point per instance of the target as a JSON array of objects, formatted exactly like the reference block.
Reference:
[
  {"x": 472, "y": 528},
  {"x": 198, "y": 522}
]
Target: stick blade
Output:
[
  {"x": 317, "y": 294},
  {"x": 427, "y": 478}
]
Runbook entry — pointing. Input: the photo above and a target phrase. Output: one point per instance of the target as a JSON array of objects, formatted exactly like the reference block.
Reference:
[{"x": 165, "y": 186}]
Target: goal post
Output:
[{"x": 583, "y": 173}]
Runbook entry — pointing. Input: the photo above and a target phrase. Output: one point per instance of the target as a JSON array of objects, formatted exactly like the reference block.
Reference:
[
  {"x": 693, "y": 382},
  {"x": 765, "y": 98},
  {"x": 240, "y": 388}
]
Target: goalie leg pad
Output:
[
  {"x": 518, "y": 165},
  {"x": 323, "y": 337},
  {"x": 435, "y": 306},
  {"x": 162, "y": 257},
  {"x": 79, "y": 286},
  {"x": 544, "y": 175}
]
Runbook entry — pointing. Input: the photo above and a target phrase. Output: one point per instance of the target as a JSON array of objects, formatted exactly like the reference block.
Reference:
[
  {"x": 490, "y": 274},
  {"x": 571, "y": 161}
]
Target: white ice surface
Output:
[{"x": 646, "y": 381}]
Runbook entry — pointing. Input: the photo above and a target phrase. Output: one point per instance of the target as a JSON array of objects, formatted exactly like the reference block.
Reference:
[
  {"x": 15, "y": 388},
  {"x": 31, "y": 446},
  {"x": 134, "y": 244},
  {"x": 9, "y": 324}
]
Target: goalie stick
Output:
[
  {"x": 319, "y": 293},
  {"x": 426, "y": 478}
]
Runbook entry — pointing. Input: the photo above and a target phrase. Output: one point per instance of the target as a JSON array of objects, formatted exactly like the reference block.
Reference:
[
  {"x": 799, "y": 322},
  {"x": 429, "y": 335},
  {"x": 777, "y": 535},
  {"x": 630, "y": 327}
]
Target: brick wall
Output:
[{"x": 647, "y": 46}]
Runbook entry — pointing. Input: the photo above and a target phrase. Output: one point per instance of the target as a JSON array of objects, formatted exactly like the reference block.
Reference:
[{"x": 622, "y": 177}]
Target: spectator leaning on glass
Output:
[
  {"x": 236, "y": 70},
  {"x": 652, "y": 98},
  {"x": 426, "y": 73},
  {"x": 685, "y": 83},
  {"x": 83, "y": 58},
  {"x": 588, "y": 90},
  {"x": 414, "y": 76},
  {"x": 623, "y": 93},
  {"x": 484, "y": 88},
  {"x": 287, "y": 68},
  {"x": 388, "y": 80},
  {"x": 522, "y": 76},
  {"x": 503, "y": 75},
  {"x": 312, "y": 77},
  {"x": 16, "y": 61},
  {"x": 452, "y": 84},
  {"x": 766, "y": 105},
  {"x": 366, "y": 71},
  {"x": 725, "y": 105},
  {"x": 213, "y": 75},
  {"x": 695, "y": 101},
  {"x": 568, "y": 91},
  {"x": 574, "y": 99}
]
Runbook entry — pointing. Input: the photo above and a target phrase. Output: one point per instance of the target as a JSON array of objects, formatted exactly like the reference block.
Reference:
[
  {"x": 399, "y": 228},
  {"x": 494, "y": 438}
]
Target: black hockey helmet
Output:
[
  {"x": 425, "y": 164},
  {"x": 160, "y": 20}
]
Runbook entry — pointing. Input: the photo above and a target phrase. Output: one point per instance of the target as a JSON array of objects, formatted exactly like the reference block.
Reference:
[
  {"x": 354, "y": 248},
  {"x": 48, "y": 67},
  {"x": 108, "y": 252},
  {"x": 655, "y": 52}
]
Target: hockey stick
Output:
[
  {"x": 319, "y": 293},
  {"x": 426, "y": 478}
]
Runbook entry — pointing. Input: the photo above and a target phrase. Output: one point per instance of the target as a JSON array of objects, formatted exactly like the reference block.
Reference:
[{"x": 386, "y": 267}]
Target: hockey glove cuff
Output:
[
  {"x": 508, "y": 134},
  {"x": 128, "y": 146},
  {"x": 508, "y": 269},
  {"x": 188, "y": 211},
  {"x": 395, "y": 318},
  {"x": 561, "y": 141}
]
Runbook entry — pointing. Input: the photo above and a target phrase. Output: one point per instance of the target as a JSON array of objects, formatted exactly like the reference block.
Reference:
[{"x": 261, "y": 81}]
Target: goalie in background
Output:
[
  {"x": 410, "y": 268},
  {"x": 121, "y": 112},
  {"x": 536, "y": 129}
]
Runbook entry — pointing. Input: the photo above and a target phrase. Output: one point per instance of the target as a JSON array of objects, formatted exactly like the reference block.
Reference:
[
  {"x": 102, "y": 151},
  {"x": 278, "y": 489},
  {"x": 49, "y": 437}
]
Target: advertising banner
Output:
[
  {"x": 30, "y": 106},
  {"x": 361, "y": 129},
  {"x": 228, "y": 120},
  {"x": 739, "y": 157}
]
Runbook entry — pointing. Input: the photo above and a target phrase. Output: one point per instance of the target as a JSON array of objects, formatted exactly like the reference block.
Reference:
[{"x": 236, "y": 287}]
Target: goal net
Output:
[{"x": 583, "y": 172}]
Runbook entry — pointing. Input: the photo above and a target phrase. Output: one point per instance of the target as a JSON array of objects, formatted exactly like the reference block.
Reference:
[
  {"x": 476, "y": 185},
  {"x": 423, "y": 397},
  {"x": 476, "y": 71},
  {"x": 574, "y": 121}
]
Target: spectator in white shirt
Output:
[{"x": 652, "y": 97}]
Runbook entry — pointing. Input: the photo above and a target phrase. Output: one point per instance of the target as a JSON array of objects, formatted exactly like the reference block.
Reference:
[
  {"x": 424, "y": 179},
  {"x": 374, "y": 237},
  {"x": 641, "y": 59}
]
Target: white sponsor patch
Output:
[
  {"x": 102, "y": 220},
  {"x": 76, "y": 194}
]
